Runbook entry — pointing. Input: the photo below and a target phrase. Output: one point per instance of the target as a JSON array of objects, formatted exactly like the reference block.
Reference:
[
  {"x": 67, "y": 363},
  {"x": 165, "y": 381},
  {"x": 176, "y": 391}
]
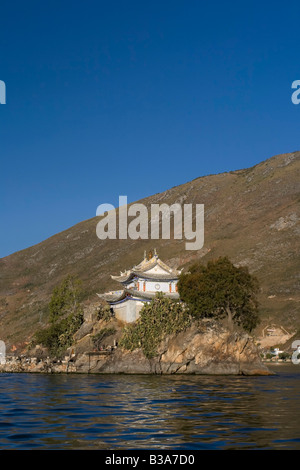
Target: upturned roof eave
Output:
[
  {"x": 141, "y": 270},
  {"x": 127, "y": 294},
  {"x": 145, "y": 275}
]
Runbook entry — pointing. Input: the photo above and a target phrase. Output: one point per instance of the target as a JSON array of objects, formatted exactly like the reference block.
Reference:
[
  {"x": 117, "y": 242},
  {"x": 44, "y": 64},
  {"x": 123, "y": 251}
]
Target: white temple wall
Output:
[
  {"x": 173, "y": 286},
  {"x": 128, "y": 312},
  {"x": 140, "y": 285},
  {"x": 156, "y": 286},
  {"x": 139, "y": 306}
]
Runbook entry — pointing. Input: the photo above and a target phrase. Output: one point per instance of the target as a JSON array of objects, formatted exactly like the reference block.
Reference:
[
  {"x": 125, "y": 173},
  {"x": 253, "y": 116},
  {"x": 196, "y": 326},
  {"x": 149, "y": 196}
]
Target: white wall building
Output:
[{"x": 139, "y": 285}]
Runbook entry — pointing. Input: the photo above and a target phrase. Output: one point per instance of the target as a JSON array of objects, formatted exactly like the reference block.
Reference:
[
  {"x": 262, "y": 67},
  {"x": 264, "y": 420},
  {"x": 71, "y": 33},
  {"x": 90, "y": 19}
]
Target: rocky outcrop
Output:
[
  {"x": 202, "y": 349},
  {"x": 18, "y": 364}
]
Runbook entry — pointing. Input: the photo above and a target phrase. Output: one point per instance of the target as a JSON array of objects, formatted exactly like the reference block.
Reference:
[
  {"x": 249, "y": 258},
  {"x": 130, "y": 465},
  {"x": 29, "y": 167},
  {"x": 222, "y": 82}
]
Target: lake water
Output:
[{"x": 118, "y": 412}]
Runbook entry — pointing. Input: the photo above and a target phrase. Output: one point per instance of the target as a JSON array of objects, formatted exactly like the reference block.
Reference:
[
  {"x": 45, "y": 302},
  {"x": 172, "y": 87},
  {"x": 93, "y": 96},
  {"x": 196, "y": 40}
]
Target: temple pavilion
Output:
[{"x": 139, "y": 285}]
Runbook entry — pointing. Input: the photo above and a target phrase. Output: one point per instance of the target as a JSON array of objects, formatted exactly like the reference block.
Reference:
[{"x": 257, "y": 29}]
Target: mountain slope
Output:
[{"x": 251, "y": 215}]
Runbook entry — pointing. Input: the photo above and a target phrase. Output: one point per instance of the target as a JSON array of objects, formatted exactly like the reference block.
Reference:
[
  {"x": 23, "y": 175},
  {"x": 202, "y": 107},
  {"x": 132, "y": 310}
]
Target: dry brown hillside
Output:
[{"x": 251, "y": 215}]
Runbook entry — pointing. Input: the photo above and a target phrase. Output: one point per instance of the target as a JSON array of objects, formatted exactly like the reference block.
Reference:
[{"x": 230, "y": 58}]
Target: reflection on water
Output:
[{"x": 150, "y": 412}]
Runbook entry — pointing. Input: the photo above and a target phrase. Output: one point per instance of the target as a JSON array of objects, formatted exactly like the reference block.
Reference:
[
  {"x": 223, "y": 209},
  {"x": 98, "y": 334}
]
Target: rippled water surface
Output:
[{"x": 150, "y": 412}]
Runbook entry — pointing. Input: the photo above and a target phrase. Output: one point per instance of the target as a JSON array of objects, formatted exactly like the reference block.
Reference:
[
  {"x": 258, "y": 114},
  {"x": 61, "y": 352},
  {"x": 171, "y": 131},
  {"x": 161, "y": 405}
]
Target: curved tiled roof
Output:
[
  {"x": 144, "y": 275},
  {"x": 113, "y": 296},
  {"x": 142, "y": 270},
  {"x": 118, "y": 296}
]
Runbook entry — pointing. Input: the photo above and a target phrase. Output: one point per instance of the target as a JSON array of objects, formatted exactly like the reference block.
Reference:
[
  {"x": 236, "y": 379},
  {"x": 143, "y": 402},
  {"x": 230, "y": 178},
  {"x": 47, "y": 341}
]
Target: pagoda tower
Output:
[{"x": 139, "y": 285}]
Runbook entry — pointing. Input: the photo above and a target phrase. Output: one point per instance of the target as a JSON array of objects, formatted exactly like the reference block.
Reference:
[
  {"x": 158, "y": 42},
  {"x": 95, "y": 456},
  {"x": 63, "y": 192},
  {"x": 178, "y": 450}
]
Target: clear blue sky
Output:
[{"x": 109, "y": 98}]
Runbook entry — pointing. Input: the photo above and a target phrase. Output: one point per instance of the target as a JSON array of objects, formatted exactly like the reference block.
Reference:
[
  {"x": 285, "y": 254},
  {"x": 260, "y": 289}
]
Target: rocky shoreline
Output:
[{"x": 200, "y": 350}]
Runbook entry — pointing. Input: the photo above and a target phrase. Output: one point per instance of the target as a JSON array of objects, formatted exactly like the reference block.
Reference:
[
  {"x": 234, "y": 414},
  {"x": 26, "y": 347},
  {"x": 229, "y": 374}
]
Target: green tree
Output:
[
  {"x": 158, "y": 318},
  {"x": 65, "y": 298},
  {"x": 220, "y": 290},
  {"x": 65, "y": 316}
]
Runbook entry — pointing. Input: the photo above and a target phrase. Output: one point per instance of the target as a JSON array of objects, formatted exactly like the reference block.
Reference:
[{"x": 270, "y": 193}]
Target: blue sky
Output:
[{"x": 109, "y": 98}]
